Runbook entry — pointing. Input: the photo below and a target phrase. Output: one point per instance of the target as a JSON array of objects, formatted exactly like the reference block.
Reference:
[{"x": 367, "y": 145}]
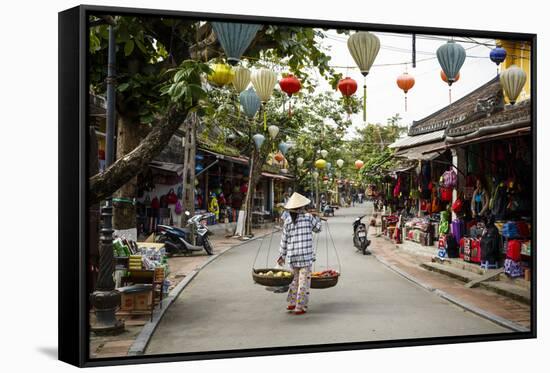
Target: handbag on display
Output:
[
  {"x": 457, "y": 205},
  {"x": 446, "y": 194},
  {"x": 449, "y": 179},
  {"x": 178, "y": 209}
]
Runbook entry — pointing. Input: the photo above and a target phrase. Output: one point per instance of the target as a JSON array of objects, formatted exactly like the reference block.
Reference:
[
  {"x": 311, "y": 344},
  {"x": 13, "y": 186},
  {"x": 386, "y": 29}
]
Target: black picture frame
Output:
[{"x": 73, "y": 320}]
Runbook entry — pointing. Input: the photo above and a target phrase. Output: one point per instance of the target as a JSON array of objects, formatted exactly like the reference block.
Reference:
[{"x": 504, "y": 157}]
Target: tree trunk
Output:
[
  {"x": 128, "y": 138},
  {"x": 189, "y": 152},
  {"x": 125, "y": 168},
  {"x": 256, "y": 162}
]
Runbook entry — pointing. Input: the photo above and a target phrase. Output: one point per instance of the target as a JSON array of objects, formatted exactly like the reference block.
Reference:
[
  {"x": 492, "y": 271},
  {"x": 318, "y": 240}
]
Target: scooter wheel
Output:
[{"x": 207, "y": 246}]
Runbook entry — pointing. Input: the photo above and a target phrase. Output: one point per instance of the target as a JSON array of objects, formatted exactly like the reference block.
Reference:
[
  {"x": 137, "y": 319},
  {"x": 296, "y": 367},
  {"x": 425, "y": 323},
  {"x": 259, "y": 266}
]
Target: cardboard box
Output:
[{"x": 136, "y": 301}]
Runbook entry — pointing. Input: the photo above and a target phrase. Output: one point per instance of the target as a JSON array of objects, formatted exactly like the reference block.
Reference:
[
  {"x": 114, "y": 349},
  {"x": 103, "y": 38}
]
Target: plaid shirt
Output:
[{"x": 297, "y": 240}]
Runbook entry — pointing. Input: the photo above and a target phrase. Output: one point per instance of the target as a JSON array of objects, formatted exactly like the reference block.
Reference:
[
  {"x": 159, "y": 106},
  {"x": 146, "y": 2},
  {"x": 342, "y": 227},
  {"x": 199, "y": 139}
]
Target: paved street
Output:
[{"x": 223, "y": 309}]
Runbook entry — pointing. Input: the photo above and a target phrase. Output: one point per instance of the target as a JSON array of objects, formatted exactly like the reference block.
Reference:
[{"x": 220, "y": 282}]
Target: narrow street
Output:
[{"x": 222, "y": 309}]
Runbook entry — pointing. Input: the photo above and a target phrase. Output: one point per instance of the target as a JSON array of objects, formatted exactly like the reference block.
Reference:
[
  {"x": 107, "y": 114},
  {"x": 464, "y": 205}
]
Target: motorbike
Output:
[
  {"x": 360, "y": 240},
  {"x": 327, "y": 209},
  {"x": 178, "y": 240}
]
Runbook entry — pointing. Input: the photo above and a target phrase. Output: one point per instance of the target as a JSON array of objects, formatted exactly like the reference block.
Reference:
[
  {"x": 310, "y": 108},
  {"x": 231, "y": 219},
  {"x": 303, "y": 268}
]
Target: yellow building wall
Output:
[{"x": 518, "y": 53}]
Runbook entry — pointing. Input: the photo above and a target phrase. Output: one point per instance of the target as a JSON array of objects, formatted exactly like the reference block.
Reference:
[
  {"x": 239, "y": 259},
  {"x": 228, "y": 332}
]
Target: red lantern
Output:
[
  {"x": 347, "y": 86},
  {"x": 290, "y": 85},
  {"x": 444, "y": 78},
  {"x": 405, "y": 82},
  {"x": 358, "y": 164},
  {"x": 279, "y": 157}
]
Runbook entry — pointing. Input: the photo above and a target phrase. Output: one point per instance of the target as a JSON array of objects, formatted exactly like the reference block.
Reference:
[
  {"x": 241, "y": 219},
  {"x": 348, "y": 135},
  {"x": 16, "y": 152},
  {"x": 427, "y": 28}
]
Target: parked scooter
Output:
[
  {"x": 178, "y": 240},
  {"x": 327, "y": 209},
  {"x": 360, "y": 240}
]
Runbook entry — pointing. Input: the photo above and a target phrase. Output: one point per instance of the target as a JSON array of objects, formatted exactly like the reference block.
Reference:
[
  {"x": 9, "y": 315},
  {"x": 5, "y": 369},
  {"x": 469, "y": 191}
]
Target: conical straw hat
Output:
[{"x": 296, "y": 201}]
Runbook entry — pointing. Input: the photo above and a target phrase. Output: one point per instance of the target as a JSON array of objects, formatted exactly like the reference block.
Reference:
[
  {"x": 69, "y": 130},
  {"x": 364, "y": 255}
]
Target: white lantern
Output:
[
  {"x": 315, "y": 175},
  {"x": 273, "y": 131},
  {"x": 324, "y": 153},
  {"x": 340, "y": 163},
  {"x": 299, "y": 161}
]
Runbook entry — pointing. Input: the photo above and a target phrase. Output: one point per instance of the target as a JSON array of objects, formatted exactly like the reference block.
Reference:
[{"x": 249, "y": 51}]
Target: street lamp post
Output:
[{"x": 106, "y": 299}]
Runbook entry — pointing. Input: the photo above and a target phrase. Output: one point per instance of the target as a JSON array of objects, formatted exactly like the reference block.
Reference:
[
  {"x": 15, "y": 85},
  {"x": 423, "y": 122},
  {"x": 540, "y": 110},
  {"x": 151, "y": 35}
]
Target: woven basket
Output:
[
  {"x": 324, "y": 282},
  {"x": 269, "y": 280}
]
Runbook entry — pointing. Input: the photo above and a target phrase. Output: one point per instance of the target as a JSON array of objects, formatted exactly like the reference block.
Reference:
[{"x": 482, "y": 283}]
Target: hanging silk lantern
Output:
[
  {"x": 283, "y": 147},
  {"x": 279, "y": 157},
  {"x": 497, "y": 55},
  {"x": 299, "y": 161},
  {"x": 315, "y": 175},
  {"x": 258, "y": 140},
  {"x": 264, "y": 81},
  {"x": 273, "y": 131},
  {"x": 320, "y": 164},
  {"x": 340, "y": 163},
  {"x": 363, "y": 47},
  {"x": 405, "y": 82},
  {"x": 284, "y": 171},
  {"x": 444, "y": 77},
  {"x": 347, "y": 87},
  {"x": 235, "y": 38},
  {"x": 329, "y": 165},
  {"x": 513, "y": 80},
  {"x": 221, "y": 74},
  {"x": 199, "y": 167},
  {"x": 250, "y": 102},
  {"x": 358, "y": 164},
  {"x": 290, "y": 85},
  {"x": 241, "y": 80},
  {"x": 451, "y": 57},
  {"x": 324, "y": 153}
]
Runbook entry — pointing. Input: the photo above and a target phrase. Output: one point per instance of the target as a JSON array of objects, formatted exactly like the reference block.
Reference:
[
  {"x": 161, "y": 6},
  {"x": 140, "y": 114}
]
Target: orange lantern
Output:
[
  {"x": 444, "y": 78},
  {"x": 358, "y": 164},
  {"x": 405, "y": 82},
  {"x": 279, "y": 157}
]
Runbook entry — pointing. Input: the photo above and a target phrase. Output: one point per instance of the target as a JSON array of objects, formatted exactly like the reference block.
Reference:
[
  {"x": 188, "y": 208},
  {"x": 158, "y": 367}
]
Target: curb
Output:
[
  {"x": 467, "y": 306},
  {"x": 140, "y": 344}
]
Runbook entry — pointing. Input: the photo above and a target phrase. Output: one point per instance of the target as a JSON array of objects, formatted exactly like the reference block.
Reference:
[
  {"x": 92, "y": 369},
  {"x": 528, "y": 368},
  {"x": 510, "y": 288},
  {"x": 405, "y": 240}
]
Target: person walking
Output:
[{"x": 296, "y": 248}]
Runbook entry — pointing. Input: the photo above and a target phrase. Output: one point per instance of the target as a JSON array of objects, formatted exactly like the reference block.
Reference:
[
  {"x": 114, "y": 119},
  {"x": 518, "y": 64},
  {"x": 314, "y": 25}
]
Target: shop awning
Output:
[
  {"x": 495, "y": 136},
  {"x": 275, "y": 176},
  {"x": 411, "y": 141},
  {"x": 229, "y": 158},
  {"x": 423, "y": 153},
  {"x": 168, "y": 167}
]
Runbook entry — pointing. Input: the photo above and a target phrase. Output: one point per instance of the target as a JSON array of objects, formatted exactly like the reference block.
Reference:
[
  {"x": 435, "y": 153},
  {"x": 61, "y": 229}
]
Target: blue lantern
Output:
[
  {"x": 250, "y": 102},
  {"x": 199, "y": 167},
  {"x": 498, "y": 55},
  {"x": 258, "y": 140},
  {"x": 283, "y": 147},
  {"x": 199, "y": 157},
  {"x": 235, "y": 38},
  {"x": 451, "y": 57}
]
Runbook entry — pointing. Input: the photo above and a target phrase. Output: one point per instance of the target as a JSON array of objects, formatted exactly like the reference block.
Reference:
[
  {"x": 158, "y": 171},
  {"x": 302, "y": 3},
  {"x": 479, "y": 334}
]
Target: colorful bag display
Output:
[
  {"x": 179, "y": 208},
  {"x": 446, "y": 194},
  {"x": 510, "y": 230},
  {"x": 449, "y": 179},
  {"x": 513, "y": 268},
  {"x": 513, "y": 250},
  {"x": 458, "y": 229},
  {"x": 457, "y": 206}
]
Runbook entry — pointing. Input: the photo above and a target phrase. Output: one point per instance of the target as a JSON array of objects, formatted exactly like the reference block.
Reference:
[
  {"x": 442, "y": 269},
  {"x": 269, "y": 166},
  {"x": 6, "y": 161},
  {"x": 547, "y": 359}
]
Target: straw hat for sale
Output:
[{"x": 296, "y": 201}]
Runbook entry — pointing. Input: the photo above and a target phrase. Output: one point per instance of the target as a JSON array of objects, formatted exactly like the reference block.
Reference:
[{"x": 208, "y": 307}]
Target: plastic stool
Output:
[{"x": 487, "y": 265}]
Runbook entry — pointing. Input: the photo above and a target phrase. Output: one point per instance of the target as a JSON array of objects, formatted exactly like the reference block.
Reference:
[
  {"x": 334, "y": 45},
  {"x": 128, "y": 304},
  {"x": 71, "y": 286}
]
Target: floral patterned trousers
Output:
[{"x": 298, "y": 293}]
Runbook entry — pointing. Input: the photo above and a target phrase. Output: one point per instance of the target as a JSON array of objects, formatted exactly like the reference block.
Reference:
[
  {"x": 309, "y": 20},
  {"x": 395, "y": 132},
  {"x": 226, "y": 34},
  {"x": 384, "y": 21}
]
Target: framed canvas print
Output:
[{"x": 235, "y": 186}]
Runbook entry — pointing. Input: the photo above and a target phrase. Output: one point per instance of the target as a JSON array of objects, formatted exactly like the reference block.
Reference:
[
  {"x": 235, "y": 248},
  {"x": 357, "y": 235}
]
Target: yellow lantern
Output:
[
  {"x": 241, "y": 79},
  {"x": 222, "y": 74},
  {"x": 320, "y": 164}
]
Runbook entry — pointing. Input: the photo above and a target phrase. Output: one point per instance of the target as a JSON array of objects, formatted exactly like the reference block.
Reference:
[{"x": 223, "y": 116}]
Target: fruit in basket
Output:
[{"x": 270, "y": 273}]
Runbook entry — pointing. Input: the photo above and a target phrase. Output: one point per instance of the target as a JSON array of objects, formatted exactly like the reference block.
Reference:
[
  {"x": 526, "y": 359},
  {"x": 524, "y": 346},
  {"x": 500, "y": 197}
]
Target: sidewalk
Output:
[
  {"x": 408, "y": 263},
  {"x": 180, "y": 267}
]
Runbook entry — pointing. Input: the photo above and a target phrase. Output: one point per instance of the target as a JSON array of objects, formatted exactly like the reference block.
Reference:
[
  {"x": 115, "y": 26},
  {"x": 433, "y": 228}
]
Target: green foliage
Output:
[{"x": 185, "y": 87}]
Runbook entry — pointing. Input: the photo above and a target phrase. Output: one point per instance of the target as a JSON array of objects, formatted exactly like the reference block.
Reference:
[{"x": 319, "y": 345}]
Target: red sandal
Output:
[
  {"x": 290, "y": 308},
  {"x": 299, "y": 312}
]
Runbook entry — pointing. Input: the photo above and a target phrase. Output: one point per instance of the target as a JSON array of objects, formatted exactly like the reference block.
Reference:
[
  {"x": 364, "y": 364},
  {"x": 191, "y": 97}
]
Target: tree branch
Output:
[{"x": 124, "y": 169}]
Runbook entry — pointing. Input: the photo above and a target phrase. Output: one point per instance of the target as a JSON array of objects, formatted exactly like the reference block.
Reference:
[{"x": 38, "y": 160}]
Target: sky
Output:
[{"x": 429, "y": 94}]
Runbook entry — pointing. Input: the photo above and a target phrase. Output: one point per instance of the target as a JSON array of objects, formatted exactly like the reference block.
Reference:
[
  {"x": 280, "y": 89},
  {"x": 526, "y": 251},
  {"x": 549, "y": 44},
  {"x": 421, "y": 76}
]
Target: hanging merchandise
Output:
[
  {"x": 264, "y": 81},
  {"x": 273, "y": 131},
  {"x": 320, "y": 164},
  {"x": 241, "y": 79},
  {"x": 329, "y": 165},
  {"x": 340, "y": 163},
  {"x": 363, "y": 47},
  {"x": 279, "y": 157},
  {"x": 258, "y": 140},
  {"x": 324, "y": 153},
  {"x": 449, "y": 179},
  {"x": 235, "y": 38},
  {"x": 358, "y": 164},
  {"x": 405, "y": 82},
  {"x": 513, "y": 80},
  {"x": 250, "y": 102},
  {"x": 347, "y": 87},
  {"x": 221, "y": 74},
  {"x": 315, "y": 175},
  {"x": 444, "y": 77},
  {"x": 290, "y": 85},
  {"x": 451, "y": 57},
  {"x": 299, "y": 161}
]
